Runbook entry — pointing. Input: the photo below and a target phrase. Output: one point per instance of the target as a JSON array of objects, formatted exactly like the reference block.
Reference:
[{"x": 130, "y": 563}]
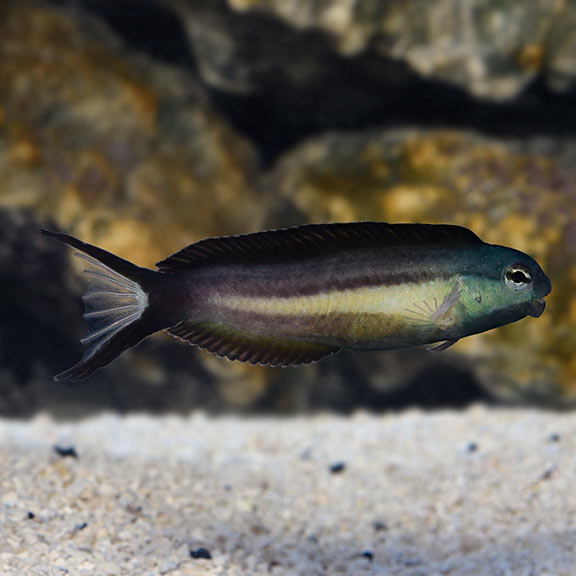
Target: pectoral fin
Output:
[
  {"x": 439, "y": 346},
  {"x": 433, "y": 314},
  {"x": 453, "y": 296}
]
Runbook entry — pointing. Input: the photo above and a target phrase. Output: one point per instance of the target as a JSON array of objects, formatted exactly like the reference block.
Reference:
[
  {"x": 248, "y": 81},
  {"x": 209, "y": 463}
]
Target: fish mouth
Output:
[{"x": 536, "y": 307}]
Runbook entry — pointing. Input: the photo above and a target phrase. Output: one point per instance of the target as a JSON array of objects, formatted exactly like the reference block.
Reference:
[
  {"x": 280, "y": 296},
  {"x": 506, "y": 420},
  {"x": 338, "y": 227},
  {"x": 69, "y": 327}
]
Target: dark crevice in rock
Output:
[
  {"x": 39, "y": 327},
  {"x": 280, "y": 117}
]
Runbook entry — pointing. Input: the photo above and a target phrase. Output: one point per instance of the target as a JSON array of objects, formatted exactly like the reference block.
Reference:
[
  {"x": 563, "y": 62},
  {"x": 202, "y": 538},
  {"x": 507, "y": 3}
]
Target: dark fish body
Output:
[{"x": 293, "y": 296}]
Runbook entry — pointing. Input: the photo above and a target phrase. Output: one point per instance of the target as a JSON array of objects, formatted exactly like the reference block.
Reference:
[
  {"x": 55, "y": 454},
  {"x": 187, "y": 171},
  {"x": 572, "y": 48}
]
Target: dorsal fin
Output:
[{"x": 314, "y": 240}]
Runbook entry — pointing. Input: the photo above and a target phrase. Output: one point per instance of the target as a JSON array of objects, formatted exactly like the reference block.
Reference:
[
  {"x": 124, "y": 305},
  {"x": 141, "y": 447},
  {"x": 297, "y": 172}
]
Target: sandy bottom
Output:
[{"x": 484, "y": 491}]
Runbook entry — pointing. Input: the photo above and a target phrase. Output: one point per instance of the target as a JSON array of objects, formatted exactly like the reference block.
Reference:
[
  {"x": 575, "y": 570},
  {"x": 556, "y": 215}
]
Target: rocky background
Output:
[{"x": 143, "y": 126}]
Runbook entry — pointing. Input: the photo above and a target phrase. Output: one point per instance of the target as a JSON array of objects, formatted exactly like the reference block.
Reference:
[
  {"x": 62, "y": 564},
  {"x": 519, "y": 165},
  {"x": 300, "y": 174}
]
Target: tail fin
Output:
[{"x": 116, "y": 306}]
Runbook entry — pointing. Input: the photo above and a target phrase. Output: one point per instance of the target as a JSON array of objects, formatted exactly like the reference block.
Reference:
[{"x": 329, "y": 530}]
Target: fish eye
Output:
[{"x": 517, "y": 277}]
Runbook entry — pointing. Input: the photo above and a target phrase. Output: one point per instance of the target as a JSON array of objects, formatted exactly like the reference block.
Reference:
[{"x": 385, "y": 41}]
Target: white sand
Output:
[{"x": 259, "y": 495}]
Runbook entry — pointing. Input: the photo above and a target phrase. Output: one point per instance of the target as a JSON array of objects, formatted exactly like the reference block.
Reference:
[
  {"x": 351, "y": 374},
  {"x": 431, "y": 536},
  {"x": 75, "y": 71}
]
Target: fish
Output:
[{"x": 295, "y": 295}]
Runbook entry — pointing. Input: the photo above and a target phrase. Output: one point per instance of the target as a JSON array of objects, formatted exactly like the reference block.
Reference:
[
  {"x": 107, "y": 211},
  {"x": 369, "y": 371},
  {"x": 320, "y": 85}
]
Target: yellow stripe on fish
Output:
[{"x": 411, "y": 300}]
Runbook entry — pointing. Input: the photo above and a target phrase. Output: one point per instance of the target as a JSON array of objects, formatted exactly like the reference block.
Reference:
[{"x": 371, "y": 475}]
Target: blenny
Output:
[{"x": 295, "y": 295}]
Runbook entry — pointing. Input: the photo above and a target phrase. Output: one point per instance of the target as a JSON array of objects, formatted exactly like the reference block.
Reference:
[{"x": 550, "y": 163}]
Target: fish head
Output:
[{"x": 505, "y": 285}]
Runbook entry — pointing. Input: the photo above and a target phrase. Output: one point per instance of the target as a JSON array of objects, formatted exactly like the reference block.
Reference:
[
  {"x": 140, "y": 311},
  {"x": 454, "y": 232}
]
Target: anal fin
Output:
[{"x": 225, "y": 341}]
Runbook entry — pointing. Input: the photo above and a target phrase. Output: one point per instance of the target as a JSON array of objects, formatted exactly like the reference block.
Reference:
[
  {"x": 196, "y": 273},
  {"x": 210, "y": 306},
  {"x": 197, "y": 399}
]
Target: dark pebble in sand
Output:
[
  {"x": 548, "y": 473},
  {"x": 554, "y": 437},
  {"x": 66, "y": 451},
  {"x": 368, "y": 554},
  {"x": 472, "y": 447},
  {"x": 30, "y": 516},
  {"x": 379, "y": 526},
  {"x": 337, "y": 467},
  {"x": 201, "y": 553},
  {"x": 313, "y": 539}
]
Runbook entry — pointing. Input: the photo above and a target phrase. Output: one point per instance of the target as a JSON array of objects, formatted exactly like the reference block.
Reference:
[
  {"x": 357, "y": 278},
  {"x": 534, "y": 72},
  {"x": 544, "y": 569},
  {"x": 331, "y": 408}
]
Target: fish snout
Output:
[{"x": 537, "y": 306}]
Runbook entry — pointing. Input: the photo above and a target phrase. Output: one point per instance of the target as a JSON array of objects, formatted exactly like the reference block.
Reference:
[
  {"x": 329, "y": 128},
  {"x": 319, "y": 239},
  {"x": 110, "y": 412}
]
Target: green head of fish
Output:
[{"x": 501, "y": 285}]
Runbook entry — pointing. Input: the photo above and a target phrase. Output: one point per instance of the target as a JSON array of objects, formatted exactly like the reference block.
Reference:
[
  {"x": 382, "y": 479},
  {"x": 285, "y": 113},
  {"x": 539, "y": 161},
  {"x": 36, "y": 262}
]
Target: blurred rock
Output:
[
  {"x": 279, "y": 75},
  {"x": 246, "y": 53},
  {"x": 490, "y": 48},
  {"x": 515, "y": 193},
  {"x": 117, "y": 149},
  {"x": 278, "y": 83},
  {"x": 559, "y": 62}
]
